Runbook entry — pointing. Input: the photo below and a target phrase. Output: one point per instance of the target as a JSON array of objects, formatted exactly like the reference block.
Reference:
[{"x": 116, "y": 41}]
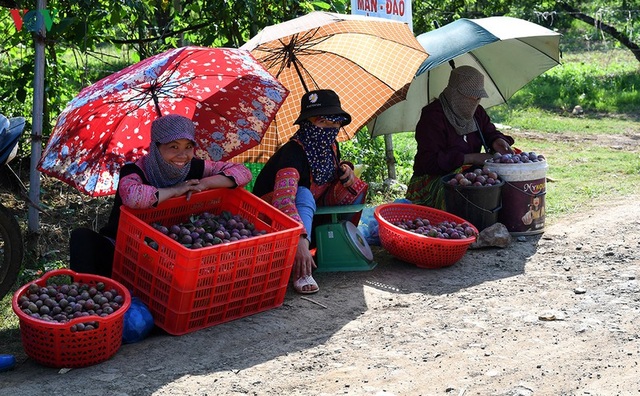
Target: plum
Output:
[
  {"x": 208, "y": 229},
  {"x": 58, "y": 306},
  {"x": 470, "y": 176}
]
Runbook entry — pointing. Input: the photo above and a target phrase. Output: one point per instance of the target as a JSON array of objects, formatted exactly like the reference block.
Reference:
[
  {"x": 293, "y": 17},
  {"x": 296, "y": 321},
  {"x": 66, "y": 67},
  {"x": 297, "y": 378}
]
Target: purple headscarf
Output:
[{"x": 164, "y": 130}]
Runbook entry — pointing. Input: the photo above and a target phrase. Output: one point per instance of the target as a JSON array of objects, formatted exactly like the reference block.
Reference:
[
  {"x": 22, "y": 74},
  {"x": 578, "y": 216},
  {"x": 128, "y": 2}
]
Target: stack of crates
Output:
[{"x": 190, "y": 289}]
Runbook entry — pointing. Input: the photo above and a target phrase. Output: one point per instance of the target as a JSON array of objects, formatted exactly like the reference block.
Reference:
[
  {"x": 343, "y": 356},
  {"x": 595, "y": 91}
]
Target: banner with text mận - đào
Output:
[{"x": 399, "y": 10}]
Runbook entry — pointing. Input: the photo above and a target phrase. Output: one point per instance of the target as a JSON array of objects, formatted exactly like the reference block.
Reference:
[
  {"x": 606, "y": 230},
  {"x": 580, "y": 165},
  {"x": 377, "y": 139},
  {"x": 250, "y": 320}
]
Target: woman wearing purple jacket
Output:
[{"x": 451, "y": 133}]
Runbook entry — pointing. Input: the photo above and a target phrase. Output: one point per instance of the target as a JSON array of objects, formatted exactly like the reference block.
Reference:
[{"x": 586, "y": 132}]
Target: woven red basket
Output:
[
  {"x": 420, "y": 250},
  {"x": 53, "y": 344}
]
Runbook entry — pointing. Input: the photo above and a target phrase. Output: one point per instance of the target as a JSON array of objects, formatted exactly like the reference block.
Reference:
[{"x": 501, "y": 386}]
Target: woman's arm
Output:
[
  {"x": 217, "y": 174},
  {"x": 439, "y": 149},
  {"x": 497, "y": 140},
  {"x": 216, "y": 171},
  {"x": 137, "y": 195}
]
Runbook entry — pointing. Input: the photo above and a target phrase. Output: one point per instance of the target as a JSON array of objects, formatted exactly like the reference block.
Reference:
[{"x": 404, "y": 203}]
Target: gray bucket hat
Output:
[{"x": 468, "y": 81}]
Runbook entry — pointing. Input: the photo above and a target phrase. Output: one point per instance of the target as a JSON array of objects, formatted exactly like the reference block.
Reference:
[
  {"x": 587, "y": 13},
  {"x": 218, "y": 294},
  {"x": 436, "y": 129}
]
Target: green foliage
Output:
[
  {"x": 598, "y": 81},
  {"x": 83, "y": 29},
  {"x": 554, "y": 122},
  {"x": 362, "y": 149},
  {"x": 404, "y": 148},
  {"x": 590, "y": 86}
]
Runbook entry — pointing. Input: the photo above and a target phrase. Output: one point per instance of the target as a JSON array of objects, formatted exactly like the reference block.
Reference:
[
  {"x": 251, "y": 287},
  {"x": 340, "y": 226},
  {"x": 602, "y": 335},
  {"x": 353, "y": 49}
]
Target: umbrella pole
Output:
[
  {"x": 291, "y": 58},
  {"x": 155, "y": 102},
  {"x": 295, "y": 64}
]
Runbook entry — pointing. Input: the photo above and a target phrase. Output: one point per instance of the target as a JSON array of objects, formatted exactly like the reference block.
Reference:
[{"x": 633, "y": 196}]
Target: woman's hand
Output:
[
  {"x": 303, "y": 263},
  {"x": 348, "y": 177},
  {"x": 501, "y": 146},
  {"x": 183, "y": 188},
  {"x": 190, "y": 186},
  {"x": 187, "y": 187}
]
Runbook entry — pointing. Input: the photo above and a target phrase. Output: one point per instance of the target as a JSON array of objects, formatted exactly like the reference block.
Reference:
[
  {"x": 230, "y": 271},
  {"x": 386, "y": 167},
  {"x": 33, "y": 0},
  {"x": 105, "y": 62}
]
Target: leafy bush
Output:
[{"x": 599, "y": 81}]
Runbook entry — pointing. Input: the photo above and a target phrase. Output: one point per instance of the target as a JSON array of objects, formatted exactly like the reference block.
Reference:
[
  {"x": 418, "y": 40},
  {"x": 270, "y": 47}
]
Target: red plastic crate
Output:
[
  {"x": 191, "y": 289},
  {"x": 54, "y": 344}
]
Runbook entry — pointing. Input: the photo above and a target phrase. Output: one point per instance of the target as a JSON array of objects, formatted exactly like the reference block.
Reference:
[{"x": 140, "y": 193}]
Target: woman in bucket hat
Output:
[
  {"x": 451, "y": 133},
  {"x": 308, "y": 172},
  {"x": 168, "y": 170}
]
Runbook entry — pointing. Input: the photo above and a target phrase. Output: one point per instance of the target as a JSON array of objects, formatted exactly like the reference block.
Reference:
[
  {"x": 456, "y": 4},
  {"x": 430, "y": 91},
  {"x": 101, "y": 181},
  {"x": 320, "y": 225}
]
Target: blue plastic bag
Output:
[
  {"x": 7, "y": 362},
  {"x": 138, "y": 322},
  {"x": 368, "y": 226}
]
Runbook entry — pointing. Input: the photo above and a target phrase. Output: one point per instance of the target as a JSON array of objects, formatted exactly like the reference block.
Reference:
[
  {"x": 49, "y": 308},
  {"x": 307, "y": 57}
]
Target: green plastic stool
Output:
[{"x": 340, "y": 245}]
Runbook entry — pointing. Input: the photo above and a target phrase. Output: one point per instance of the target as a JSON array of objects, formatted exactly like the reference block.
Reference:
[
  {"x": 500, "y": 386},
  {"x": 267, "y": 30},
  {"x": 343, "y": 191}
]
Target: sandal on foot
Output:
[{"x": 306, "y": 280}]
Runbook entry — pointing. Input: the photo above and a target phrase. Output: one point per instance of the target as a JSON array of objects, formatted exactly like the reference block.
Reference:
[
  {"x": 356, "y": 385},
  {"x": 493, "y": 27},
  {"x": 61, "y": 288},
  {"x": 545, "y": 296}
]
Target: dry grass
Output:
[{"x": 64, "y": 209}]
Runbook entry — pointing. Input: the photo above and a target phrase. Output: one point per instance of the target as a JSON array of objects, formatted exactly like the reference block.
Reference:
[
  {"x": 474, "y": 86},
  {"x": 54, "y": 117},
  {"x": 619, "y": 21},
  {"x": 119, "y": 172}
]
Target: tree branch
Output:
[
  {"x": 610, "y": 30},
  {"x": 164, "y": 35}
]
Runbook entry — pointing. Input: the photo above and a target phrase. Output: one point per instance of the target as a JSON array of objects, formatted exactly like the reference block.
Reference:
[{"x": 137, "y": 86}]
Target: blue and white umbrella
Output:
[{"x": 510, "y": 52}]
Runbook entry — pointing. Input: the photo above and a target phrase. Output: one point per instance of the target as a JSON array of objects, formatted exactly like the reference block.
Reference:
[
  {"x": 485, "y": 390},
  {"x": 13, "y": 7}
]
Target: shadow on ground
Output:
[{"x": 299, "y": 324}]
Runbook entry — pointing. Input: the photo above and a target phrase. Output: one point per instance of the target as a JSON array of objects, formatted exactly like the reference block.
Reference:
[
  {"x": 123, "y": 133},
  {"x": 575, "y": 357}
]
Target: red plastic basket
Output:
[
  {"x": 420, "y": 250},
  {"x": 54, "y": 344},
  {"x": 190, "y": 289}
]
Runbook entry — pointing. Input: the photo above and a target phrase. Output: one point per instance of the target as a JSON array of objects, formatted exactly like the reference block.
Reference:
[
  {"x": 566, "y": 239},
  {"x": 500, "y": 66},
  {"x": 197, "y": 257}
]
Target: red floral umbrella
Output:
[{"x": 230, "y": 97}]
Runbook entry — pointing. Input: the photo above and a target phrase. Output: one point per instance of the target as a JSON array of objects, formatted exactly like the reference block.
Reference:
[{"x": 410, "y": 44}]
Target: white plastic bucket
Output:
[{"x": 523, "y": 194}]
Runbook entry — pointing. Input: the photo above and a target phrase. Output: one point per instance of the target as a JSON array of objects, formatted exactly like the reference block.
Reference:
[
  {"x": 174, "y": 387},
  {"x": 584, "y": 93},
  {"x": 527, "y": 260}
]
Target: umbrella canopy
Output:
[
  {"x": 369, "y": 62},
  {"x": 510, "y": 52},
  {"x": 230, "y": 97}
]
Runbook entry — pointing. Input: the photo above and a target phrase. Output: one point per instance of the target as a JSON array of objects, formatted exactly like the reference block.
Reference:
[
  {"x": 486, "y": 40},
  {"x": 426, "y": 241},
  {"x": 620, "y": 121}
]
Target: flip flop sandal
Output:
[{"x": 303, "y": 281}]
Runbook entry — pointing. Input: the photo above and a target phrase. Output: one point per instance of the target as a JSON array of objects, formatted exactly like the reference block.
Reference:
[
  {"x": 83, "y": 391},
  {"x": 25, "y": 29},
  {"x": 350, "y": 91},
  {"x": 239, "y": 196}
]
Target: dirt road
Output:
[{"x": 556, "y": 314}]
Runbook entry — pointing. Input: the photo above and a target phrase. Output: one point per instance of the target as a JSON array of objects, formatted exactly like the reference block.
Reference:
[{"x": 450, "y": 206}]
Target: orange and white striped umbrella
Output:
[{"x": 369, "y": 62}]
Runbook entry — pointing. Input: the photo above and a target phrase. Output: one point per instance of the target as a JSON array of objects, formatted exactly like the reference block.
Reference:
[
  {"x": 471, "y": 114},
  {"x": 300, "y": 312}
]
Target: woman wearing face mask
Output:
[
  {"x": 308, "y": 172},
  {"x": 450, "y": 134}
]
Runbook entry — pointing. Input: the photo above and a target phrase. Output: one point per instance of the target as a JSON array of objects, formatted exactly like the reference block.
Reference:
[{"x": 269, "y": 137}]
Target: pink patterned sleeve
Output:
[
  {"x": 135, "y": 194},
  {"x": 238, "y": 172},
  {"x": 284, "y": 192}
]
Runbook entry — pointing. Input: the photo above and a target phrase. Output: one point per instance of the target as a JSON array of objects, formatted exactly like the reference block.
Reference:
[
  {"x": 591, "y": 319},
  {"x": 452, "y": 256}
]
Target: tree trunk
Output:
[{"x": 612, "y": 31}]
